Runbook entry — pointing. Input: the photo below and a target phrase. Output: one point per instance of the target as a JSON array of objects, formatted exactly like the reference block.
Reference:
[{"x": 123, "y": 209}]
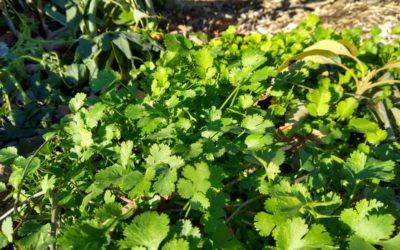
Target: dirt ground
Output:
[{"x": 272, "y": 16}]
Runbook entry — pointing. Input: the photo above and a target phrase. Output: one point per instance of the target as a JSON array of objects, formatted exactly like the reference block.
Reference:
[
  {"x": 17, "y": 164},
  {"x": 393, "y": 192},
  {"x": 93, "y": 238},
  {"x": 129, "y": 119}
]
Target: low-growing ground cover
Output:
[{"x": 286, "y": 142}]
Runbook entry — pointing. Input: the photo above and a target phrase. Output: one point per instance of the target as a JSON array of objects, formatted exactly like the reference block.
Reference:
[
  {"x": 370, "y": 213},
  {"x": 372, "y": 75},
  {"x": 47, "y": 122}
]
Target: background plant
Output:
[{"x": 56, "y": 48}]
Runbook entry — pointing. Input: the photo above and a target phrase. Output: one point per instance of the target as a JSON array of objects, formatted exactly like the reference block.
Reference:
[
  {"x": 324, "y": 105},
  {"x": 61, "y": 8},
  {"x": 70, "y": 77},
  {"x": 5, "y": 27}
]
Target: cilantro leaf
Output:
[
  {"x": 295, "y": 234},
  {"x": 204, "y": 61},
  {"x": 146, "y": 230},
  {"x": 166, "y": 178},
  {"x": 362, "y": 125},
  {"x": 126, "y": 152},
  {"x": 8, "y": 154},
  {"x": 176, "y": 244},
  {"x": 360, "y": 169},
  {"x": 319, "y": 100},
  {"x": 256, "y": 124},
  {"x": 264, "y": 223},
  {"x": 135, "y": 111},
  {"x": 371, "y": 227},
  {"x": 196, "y": 184},
  {"x": 258, "y": 141},
  {"x": 104, "y": 79},
  {"x": 162, "y": 154},
  {"x": 7, "y": 229},
  {"x": 346, "y": 108},
  {"x": 86, "y": 235},
  {"x": 34, "y": 235},
  {"x": 77, "y": 102}
]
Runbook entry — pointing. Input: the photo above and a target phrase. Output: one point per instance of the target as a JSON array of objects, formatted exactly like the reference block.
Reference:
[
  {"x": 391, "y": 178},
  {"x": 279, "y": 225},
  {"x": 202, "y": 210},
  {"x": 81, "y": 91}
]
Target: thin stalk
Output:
[
  {"x": 229, "y": 97},
  {"x": 234, "y": 97},
  {"x": 7, "y": 18},
  {"x": 383, "y": 82},
  {"x": 353, "y": 192},
  {"x": 24, "y": 172},
  {"x": 12, "y": 210},
  {"x": 242, "y": 206},
  {"x": 53, "y": 220}
]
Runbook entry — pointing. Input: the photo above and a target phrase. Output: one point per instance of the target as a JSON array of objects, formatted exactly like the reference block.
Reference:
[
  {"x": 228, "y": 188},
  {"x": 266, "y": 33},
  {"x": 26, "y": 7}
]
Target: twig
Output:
[
  {"x": 10, "y": 211},
  {"x": 301, "y": 178},
  {"x": 53, "y": 221},
  {"x": 242, "y": 206}
]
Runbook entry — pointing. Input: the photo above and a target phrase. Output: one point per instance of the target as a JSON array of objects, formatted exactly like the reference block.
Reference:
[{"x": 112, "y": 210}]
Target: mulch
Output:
[{"x": 273, "y": 16}]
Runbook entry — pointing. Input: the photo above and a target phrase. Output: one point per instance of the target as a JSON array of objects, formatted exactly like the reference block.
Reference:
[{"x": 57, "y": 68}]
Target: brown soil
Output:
[{"x": 272, "y": 16}]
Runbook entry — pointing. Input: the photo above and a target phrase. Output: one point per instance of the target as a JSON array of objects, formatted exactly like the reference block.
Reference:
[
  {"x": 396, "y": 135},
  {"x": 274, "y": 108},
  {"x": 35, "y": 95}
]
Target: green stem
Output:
[
  {"x": 229, "y": 97},
  {"x": 353, "y": 192},
  {"x": 234, "y": 97}
]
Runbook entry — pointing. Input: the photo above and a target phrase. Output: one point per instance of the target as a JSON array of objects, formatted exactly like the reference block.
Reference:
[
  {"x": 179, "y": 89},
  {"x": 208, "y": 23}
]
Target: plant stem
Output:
[
  {"x": 10, "y": 211},
  {"x": 229, "y": 97},
  {"x": 24, "y": 172},
  {"x": 53, "y": 219},
  {"x": 242, "y": 206}
]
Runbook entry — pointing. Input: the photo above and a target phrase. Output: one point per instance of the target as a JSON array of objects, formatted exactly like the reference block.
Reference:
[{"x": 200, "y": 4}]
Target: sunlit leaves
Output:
[
  {"x": 146, "y": 230},
  {"x": 77, "y": 102},
  {"x": 346, "y": 108},
  {"x": 319, "y": 102}
]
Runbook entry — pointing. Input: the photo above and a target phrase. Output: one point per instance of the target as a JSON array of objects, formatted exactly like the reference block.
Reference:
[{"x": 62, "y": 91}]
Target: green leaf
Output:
[
  {"x": 77, "y": 102},
  {"x": 376, "y": 137},
  {"x": 3, "y": 241},
  {"x": 294, "y": 234},
  {"x": 104, "y": 79},
  {"x": 123, "y": 45},
  {"x": 245, "y": 101},
  {"x": 355, "y": 243},
  {"x": 48, "y": 184},
  {"x": 204, "y": 61},
  {"x": 86, "y": 235},
  {"x": 196, "y": 184},
  {"x": 362, "y": 125},
  {"x": 146, "y": 230},
  {"x": 258, "y": 141},
  {"x": 360, "y": 169},
  {"x": 331, "y": 46},
  {"x": 392, "y": 244},
  {"x": 175, "y": 244},
  {"x": 286, "y": 200},
  {"x": 135, "y": 111},
  {"x": 256, "y": 124},
  {"x": 346, "y": 108},
  {"x": 34, "y": 235},
  {"x": 319, "y": 100},
  {"x": 165, "y": 183},
  {"x": 264, "y": 223},
  {"x": 253, "y": 58},
  {"x": 117, "y": 176},
  {"x": 370, "y": 227},
  {"x": 320, "y": 56},
  {"x": 162, "y": 154},
  {"x": 8, "y": 154},
  {"x": 7, "y": 229},
  {"x": 126, "y": 152},
  {"x": 95, "y": 114},
  {"x": 75, "y": 74}
]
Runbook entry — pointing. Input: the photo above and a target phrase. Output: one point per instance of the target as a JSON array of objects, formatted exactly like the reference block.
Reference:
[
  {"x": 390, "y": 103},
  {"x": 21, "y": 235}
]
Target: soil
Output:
[{"x": 272, "y": 16}]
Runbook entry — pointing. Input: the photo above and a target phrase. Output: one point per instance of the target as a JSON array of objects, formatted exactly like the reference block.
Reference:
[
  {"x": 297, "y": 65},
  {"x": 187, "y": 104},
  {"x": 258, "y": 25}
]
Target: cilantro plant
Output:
[{"x": 215, "y": 146}]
